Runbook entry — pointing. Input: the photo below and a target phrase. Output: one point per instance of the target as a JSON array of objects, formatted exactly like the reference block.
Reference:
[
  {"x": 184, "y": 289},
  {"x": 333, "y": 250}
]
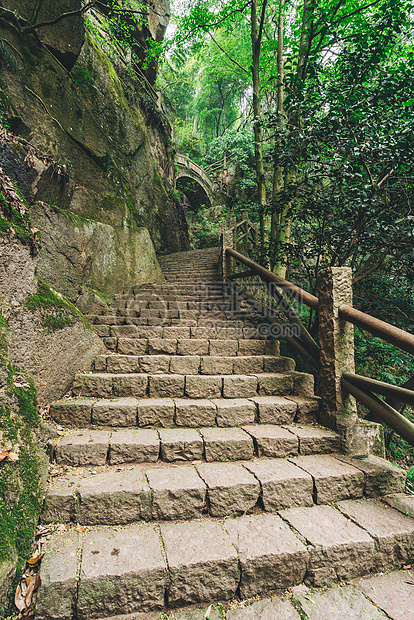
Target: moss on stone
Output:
[
  {"x": 22, "y": 482},
  {"x": 57, "y": 311}
]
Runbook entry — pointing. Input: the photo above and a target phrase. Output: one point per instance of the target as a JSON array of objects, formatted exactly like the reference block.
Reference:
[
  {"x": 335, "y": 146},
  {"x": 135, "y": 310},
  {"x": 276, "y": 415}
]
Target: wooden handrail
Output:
[
  {"x": 401, "y": 339},
  {"x": 388, "y": 414},
  {"x": 379, "y": 387},
  {"x": 291, "y": 289}
]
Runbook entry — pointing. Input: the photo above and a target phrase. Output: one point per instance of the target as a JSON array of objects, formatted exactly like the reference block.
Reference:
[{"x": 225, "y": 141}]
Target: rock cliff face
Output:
[{"x": 71, "y": 90}]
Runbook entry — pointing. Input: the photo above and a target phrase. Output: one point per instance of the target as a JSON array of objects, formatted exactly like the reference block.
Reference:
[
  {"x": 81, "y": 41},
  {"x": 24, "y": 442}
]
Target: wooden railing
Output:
[{"x": 334, "y": 357}]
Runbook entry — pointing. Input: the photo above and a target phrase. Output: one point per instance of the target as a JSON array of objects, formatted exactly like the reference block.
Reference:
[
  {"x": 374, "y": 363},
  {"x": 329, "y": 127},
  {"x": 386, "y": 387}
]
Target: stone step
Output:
[
  {"x": 165, "y": 320},
  {"x": 139, "y": 385},
  {"x": 251, "y": 332},
  {"x": 191, "y": 346},
  {"x": 118, "y": 495},
  {"x": 144, "y": 567},
  {"x": 169, "y": 412},
  {"x": 193, "y": 364},
  {"x": 83, "y": 447}
]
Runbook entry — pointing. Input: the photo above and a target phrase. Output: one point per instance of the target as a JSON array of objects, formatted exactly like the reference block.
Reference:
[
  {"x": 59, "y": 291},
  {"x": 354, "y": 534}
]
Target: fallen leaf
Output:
[
  {"x": 62, "y": 528},
  {"x": 79, "y": 528},
  {"x": 12, "y": 456},
  {"x": 32, "y": 586},
  {"x": 35, "y": 560},
  {"x": 20, "y": 596},
  {"x": 4, "y": 455}
]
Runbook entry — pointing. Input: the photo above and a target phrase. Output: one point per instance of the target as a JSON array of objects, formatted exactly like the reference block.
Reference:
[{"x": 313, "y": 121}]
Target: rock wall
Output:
[{"x": 70, "y": 90}]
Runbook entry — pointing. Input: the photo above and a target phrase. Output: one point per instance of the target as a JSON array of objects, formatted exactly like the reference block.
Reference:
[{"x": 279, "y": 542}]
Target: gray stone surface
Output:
[
  {"x": 115, "y": 412},
  {"x": 203, "y": 563},
  {"x": 57, "y": 592},
  {"x": 194, "y": 413},
  {"x": 132, "y": 346},
  {"x": 154, "y": 364},
  {"x": 338, "y": 548},
  {"x": 156, "y": 412},
  {"x": 278, "y": 364},
  {"x": 334, "y": 480},
  {"x": 402, "y": 502},
  {"x": 392, "y": 531},
  {"x": 225, "y": 348},
  {"x": 249, "y": 364},
  {"x": 185, "y": 364},
  {"x": 203, "y": 386},
  {"x": 134, "y": 446},
  {"x": 162, "y": 346},
  {"x": 275, "y": 384},
  {"x": 283, "y": 484},
  {"x": 122, "y": 571},
  {"x": 252, "y": 347},
  {"x": 97, "y": 384},
  {"x": 226, "y": 444},
  {"x": 275, "y": 409},
  {"x": 114, "y": 497},
  {"x": 314, "y": 439},
  {"x": 270, "y": 555},
  {"x": 130, "y": 385},
  {"x": 266, "y": 609},
  {"x": 239, "y": 386},
  {"x": 166, "y": 386},
  {"x": 72, "y": 411},
  {"x": 232, "y": 490},
  {"x": 82, "y": 448},
  {"x": 303, "y": 383},
  {"x": 122, "y": 364},
  {"x": 339, "y": 604},
  {"x": 381, "y": 476},
  {"x": 59, "y": 504},
  {"x": 393, "y": 593},
  {"x": 177, "y": 493},
  {"x": 193, "y": 347},
  {"x": 181, "y": 444},
  {"x": 308, "y": 409},
  {"x": 234, "y": 411},
  {"x": 213, "y": 365},
  {"x": 273, "y": 441}
]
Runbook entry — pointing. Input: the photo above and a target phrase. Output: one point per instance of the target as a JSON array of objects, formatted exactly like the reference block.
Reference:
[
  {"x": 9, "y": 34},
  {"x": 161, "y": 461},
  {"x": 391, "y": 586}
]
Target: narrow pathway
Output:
[{"x": 192, "y": 468}]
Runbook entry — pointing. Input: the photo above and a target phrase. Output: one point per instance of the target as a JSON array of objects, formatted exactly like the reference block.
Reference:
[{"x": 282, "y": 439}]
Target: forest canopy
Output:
[{"x": 314, "y": 101}]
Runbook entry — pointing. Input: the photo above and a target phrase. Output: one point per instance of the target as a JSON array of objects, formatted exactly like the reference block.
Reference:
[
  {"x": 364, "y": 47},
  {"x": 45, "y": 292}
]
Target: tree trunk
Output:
[
  {"x": 277, "y": 170},
  {"x": 256, "y": 36}
]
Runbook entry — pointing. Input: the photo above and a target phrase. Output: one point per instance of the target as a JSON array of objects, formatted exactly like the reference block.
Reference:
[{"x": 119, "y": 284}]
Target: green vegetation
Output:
[
  {"x": 21, "y": 480},
  {"x": 57, "y": 312}
]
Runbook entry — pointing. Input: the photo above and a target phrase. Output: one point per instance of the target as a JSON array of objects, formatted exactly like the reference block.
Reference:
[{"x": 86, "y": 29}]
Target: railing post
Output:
[
  {"x": 226, "y": 241},
  {"x": 338, "y": 408}
]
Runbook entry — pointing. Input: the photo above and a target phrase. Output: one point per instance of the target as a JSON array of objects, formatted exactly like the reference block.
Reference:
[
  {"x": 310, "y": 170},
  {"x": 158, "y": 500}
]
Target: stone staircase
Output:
[{"x": 192, "y": 468}]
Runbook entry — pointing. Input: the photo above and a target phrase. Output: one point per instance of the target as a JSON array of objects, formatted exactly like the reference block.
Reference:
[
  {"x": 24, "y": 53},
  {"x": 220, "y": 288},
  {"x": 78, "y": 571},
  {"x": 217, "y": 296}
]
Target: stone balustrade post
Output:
[
  {"x": 226, "y": 241},
  {"x": 338, "y": 408}
]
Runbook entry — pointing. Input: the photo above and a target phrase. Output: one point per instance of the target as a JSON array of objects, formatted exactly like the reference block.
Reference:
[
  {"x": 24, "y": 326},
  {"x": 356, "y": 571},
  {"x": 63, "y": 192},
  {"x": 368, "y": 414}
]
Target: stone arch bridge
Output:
[{"x": 194, "y": 182}]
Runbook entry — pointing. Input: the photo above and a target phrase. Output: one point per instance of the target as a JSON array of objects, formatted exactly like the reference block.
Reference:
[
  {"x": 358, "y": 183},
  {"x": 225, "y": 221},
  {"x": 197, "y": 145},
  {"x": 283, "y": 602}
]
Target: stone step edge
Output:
[
  {"x": 118, "y": 496},
  {"x": 165, "y": 412},
  {"x": 194, "y": 386},
  {"x": 109, "y": 446},
  {"x": 192, "y": 364},
  {"x": 182, "y": 346},
  {"x": 175, "y": 573}
]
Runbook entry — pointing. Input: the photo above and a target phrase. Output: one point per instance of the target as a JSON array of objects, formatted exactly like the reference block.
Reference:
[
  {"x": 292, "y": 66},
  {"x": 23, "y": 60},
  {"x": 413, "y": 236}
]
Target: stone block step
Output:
[
  {"x": 139, "y": 385},
  {"x": 192, "y": 364},
  {"x": 116, "y": 495},
  {"x": 85, "y": 447},
  {"x": 192, "y": 346},
  {"x": 127, "y": 412},
  {"x": 142, "y": 568},
  {"x": 251, "y": 332}
]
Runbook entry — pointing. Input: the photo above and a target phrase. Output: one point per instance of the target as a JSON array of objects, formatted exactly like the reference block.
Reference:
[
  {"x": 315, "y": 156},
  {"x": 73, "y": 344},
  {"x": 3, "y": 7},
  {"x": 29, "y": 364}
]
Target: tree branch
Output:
[
  {"x": 30, "y": 29},
  {"x": 228, "y": 55}
]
